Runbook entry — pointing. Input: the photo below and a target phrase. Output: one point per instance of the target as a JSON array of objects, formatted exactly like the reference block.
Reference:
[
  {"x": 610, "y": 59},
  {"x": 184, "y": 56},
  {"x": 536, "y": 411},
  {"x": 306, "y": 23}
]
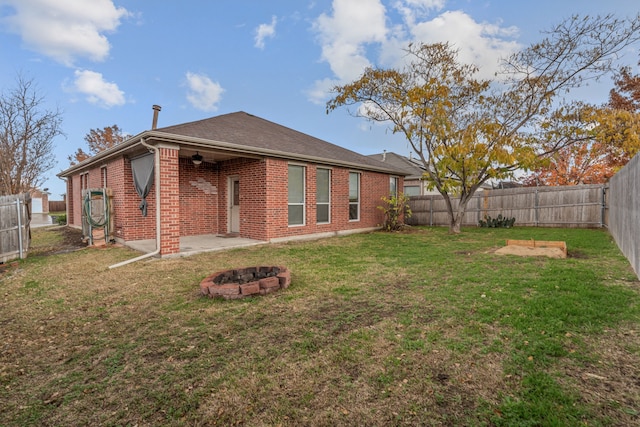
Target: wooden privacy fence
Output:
[
  {"x": 567, "y": 206},
  {"x": 57, "y": 206},
  {"x": 624, "y": 214},
  {"x": 15, "y": 232}
]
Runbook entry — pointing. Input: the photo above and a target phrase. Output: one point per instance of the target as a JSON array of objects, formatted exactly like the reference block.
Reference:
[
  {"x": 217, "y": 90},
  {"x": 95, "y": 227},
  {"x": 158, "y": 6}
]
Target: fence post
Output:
[
  {"x": 20, "y": 249},
  {"x": 535, "y": 207},
  {"x": 603, "y": 212},
  {"x": 431, "y": 212}
]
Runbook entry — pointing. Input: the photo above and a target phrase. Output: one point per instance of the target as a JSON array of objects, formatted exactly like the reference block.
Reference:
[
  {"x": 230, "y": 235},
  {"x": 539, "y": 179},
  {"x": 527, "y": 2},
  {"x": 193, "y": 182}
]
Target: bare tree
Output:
[{"x": 27, "y": 131}]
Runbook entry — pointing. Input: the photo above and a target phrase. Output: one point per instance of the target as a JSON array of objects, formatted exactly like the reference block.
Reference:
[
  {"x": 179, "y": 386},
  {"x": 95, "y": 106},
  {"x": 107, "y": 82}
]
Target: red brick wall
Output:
[
  {"x": 373, "y": 186},
  {"x": 129, "y": 223},
  {"x": 277, "y": 211},
  {"x": 264, "y": 199},
  {"x": 253, "y": 185},
  {"x": 199, "y": 193},
  {"x": 70, "y": 202},
  {"x": 92, "y": 179},
  {"x": 169, "y": 201},
  {"x": 73, "y": 201}
]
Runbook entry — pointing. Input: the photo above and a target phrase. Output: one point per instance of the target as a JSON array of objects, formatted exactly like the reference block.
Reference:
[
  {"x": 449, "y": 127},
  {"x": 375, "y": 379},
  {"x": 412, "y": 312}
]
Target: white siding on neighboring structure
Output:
[{"x": 36, "y": 205}]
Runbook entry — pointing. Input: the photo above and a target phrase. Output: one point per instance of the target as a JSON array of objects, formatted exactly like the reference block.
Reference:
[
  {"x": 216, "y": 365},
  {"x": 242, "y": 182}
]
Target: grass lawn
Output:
[{"x": 415, "y": 328}]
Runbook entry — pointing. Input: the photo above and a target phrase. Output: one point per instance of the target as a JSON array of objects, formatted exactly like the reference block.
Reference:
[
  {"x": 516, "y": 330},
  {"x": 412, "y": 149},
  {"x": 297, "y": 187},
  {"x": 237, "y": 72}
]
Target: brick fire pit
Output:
[{"x": 245, "y": 282}]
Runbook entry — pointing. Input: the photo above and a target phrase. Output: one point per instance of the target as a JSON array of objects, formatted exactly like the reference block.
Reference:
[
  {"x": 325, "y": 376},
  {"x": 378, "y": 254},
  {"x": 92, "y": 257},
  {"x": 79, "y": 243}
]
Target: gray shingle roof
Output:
[
  {"x": 242, "y": 132},
  {"x": 395, "y": 161},
  {"x": 244, "y": 129}
]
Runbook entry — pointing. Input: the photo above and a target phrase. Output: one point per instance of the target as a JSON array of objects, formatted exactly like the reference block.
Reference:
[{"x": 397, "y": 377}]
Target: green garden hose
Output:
[{"x": 87, "y": 209}]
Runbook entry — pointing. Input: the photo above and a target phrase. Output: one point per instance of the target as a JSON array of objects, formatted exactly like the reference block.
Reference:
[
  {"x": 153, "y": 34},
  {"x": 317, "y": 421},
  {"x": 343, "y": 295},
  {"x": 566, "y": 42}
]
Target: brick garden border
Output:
[{"x": 245, "y": 282}]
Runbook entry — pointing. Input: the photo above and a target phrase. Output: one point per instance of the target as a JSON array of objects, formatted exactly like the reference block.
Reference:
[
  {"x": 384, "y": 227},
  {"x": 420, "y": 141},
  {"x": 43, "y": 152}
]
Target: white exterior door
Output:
[{"x": 234, "y": 205}]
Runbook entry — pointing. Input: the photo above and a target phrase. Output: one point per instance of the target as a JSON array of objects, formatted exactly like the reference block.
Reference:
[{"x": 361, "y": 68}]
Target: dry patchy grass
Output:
[{"x": 369, "y": 333}]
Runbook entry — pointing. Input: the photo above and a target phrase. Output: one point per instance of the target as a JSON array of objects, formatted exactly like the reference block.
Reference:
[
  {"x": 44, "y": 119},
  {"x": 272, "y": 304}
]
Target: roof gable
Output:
[
  {"x": 398, "y": 162},
  {"x": 245, "y": 129},
  {"x": 239, "y": 133}
]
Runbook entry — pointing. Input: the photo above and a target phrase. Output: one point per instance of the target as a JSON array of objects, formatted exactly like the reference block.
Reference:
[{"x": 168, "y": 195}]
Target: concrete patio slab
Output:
[
  {"x": 40, "y": 220},
  {"x": 191, "y": 245}
]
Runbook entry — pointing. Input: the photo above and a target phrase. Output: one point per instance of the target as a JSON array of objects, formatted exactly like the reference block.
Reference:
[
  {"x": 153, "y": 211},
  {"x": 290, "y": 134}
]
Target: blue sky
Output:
[{"x": 105, "y": 62}]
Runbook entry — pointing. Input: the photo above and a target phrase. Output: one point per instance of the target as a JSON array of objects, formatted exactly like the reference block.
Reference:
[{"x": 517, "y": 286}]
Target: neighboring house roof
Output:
[
  {"x": 395, "y": 161},
  {"x": 241, "y": 132},
  {"x": 414, "y": 170},
  {"x": 39, "y": 191},
  {"x": 505, "y": 184}
]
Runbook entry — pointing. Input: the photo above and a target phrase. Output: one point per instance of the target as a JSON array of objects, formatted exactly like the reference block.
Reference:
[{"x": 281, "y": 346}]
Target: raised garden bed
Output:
[{"x": 551, "y": 249}]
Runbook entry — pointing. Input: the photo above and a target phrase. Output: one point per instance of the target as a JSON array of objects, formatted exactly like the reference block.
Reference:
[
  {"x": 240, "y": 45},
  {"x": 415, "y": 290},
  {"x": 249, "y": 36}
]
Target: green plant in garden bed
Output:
[{"x": 498, "y": 222}]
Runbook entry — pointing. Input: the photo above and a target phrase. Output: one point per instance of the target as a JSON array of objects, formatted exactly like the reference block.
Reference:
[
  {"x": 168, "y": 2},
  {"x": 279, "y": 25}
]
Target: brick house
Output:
[{"x": 233, "y": 174}]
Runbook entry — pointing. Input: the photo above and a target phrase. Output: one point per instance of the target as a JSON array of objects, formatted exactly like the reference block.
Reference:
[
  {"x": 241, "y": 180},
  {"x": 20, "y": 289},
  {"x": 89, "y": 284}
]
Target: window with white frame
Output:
[
  {"x": 354, "y": 196},
  {"x": 393, "y": 186},
  {"x": 296, "y": 194},
  {"x": 323, "y": 196}
]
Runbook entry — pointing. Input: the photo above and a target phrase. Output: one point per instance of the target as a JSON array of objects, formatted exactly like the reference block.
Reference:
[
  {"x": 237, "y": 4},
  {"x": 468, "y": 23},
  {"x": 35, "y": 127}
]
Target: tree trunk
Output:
[
  {"x": 456, "y": 218},
  {"x": 454, "y": 227}
]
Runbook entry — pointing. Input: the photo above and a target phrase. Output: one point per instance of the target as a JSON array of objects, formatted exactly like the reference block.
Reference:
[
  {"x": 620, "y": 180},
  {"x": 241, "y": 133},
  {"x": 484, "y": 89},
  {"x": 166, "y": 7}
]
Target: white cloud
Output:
[
  {"x": 203, "y": 93},
  {"x": 359, "y": 33},
  {"x": 426, "y": 4},
  {"x": 345, "y": 34},
  {"x": 321, "y": 88},
  {"x": 411, "y": 10},
  {"x": 265, "y": 30},
  {"x": 97, "y": 90},
  {"x": 65, "y": 30},
  {"x": 480, "y": 43}
]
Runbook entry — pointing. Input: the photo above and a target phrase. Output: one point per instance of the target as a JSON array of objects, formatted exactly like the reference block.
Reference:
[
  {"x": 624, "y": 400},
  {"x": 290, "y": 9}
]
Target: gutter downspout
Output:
[{"x": 157, "y": 185}]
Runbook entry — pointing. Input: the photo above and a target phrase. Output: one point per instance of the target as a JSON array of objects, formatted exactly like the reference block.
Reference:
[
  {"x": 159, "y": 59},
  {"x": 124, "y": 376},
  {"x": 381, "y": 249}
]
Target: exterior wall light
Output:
[{"x": 196, "y": 158}]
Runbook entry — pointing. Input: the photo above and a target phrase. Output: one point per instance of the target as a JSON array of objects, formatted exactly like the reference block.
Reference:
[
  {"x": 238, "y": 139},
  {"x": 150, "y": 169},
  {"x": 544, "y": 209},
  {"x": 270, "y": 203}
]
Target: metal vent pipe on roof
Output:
[{"x": 156, "y": 110}]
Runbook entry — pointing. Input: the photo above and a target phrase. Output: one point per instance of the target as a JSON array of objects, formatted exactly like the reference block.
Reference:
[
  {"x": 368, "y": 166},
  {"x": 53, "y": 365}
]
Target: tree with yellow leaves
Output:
[{"x": 467, "y": 131}]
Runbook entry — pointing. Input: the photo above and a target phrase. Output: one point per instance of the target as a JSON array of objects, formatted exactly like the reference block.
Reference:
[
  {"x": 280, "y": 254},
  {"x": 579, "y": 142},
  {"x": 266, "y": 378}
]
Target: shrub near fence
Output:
[
  {"x": 15, "y": 218},
  {"x": 567, "y": 206}
]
